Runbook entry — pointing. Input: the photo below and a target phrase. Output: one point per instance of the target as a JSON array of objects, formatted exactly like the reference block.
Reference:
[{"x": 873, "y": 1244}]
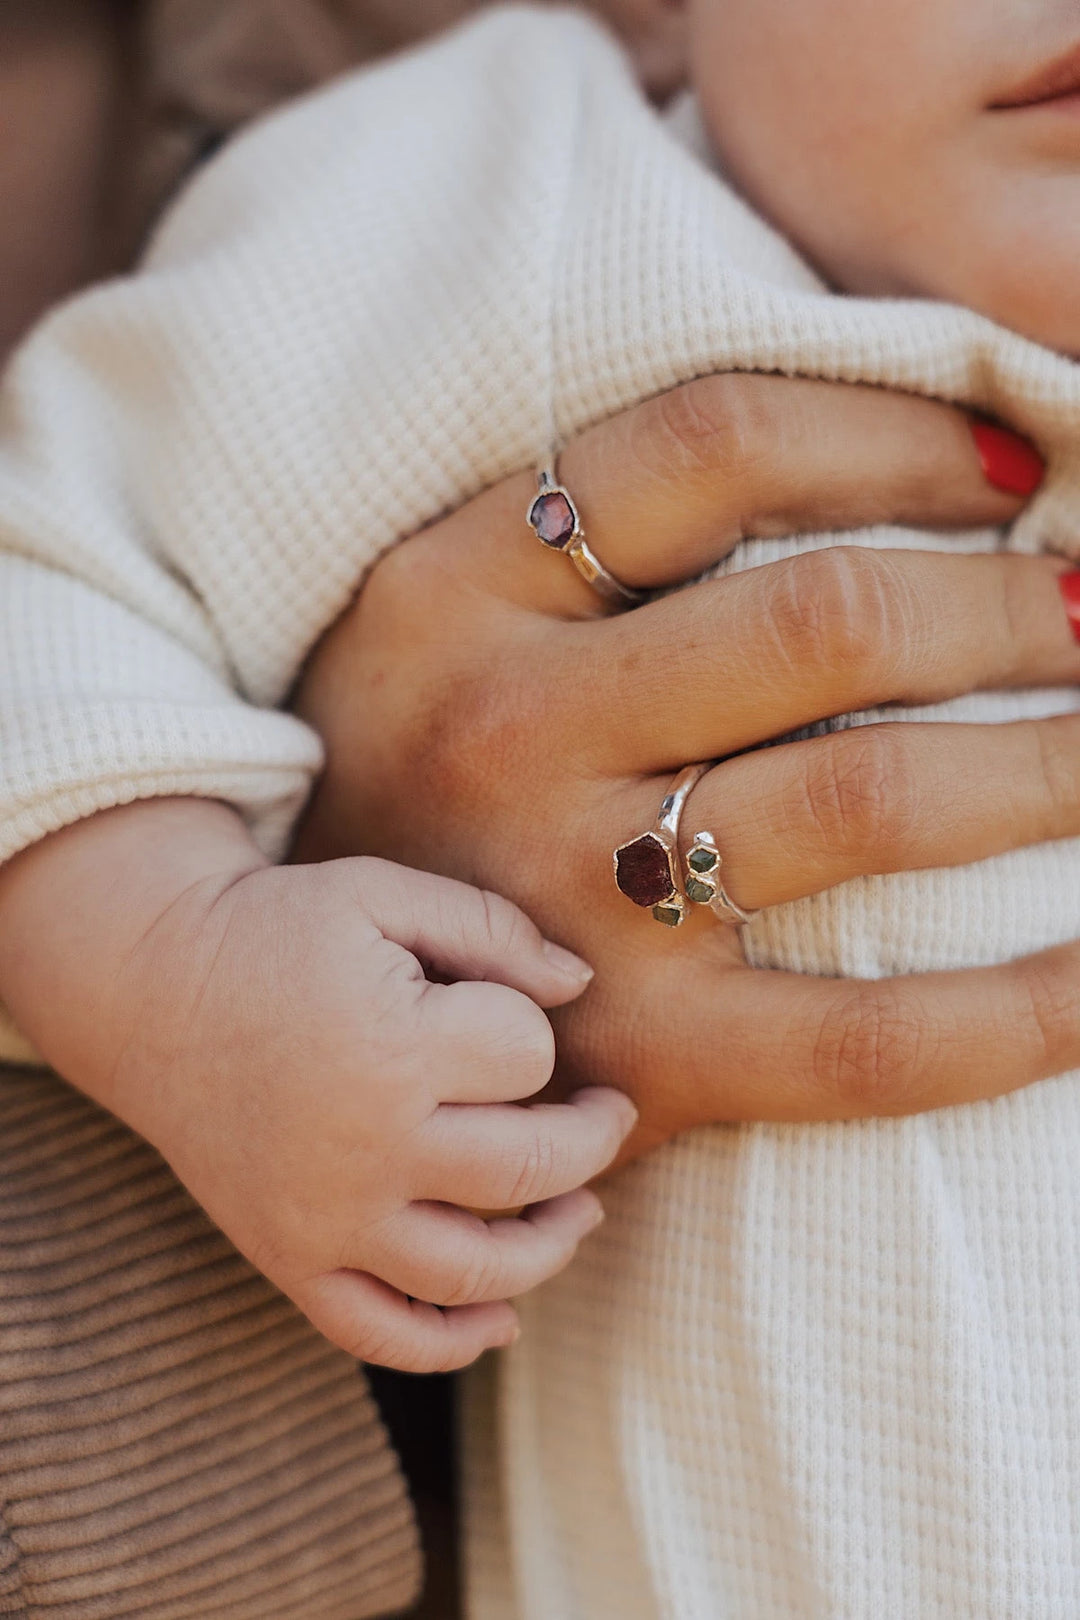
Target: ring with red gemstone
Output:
[
  {"x": 554, "y": 519},
  {"x": 647, "y": 868}
]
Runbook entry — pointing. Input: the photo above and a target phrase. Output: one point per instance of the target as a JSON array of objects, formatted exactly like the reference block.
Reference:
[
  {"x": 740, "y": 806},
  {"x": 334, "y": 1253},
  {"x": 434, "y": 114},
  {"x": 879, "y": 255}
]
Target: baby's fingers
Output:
[
  {"x": 376, "y": 1323},
  {"x": 488, "y": 1044},
  {"x": 452, "y": 1258},
  {"x": 466, "y": 933},
  {"x": 502, "y": 1157}
]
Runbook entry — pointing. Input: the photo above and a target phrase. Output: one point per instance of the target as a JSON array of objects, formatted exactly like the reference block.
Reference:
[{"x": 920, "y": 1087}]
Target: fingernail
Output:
[
  {"x": 1010, "y": 463},
  {"x": 566, "y": 963},
  {"x": 622, "y": 1102},
  {"x": 510, "y": 1338},
  {"x": 629, "y": 1111},
  {"x": 1070, "y": 590},
  {"x": 599, "y": 1217}
]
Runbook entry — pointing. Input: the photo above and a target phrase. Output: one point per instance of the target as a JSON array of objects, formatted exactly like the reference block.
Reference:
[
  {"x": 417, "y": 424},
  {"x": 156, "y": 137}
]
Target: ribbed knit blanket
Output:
[{"x": 812, "y": 1372}]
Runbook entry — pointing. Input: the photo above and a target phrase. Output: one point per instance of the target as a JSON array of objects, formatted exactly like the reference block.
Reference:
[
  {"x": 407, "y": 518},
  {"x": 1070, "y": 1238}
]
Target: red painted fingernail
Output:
[
  {"x": 1010, "y": 463},
  {"x": 1070, "y": 590}
]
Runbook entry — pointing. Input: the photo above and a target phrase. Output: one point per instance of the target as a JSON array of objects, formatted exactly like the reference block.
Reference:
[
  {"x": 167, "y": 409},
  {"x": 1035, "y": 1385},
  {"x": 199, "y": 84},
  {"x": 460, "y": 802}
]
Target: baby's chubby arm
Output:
[{"x": 273, "y": 1033}]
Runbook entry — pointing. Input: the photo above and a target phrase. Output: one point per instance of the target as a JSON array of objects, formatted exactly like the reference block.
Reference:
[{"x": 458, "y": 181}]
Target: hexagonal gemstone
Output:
[
  {"x": 700, "y": 893},
  {"x": 643, "y": 871},
  {"x": 671, "y": 915},
  {"x": 702, "y": 860},
  {"x": 552, "y": 517}
]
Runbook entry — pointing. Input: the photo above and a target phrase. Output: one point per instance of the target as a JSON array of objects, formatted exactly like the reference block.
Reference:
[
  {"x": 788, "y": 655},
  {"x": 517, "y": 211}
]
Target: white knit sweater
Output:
[{"x": 814, "y": 1372}]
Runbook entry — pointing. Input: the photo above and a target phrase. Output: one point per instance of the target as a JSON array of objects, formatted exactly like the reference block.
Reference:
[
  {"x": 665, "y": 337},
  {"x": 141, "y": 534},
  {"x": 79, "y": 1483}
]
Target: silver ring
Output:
[
  {"x": 647, "y": 868},
  {"x": 703, "y": 885},
  {"x": 555, "y": 521}
]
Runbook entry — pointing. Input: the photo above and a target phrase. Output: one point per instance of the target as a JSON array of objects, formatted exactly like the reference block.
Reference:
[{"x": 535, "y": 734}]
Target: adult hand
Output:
[{"x": 483, "y": 720}]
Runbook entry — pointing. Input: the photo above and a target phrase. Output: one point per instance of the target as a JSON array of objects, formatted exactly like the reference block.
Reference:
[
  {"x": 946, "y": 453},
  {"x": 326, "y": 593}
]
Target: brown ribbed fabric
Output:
[{"x": 175, "y": 1440}]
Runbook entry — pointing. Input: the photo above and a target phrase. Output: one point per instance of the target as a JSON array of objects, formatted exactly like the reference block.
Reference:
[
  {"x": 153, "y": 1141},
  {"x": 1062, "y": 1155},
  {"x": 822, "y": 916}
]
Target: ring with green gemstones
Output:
[{"x": 703, "y": 885}]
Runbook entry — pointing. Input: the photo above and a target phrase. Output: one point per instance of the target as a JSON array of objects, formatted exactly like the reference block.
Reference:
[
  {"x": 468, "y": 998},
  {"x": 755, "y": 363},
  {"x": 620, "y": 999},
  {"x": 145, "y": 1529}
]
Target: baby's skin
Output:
[
  {"x": 930, "y": 149},
  {"x": 333, "y": 1106}
]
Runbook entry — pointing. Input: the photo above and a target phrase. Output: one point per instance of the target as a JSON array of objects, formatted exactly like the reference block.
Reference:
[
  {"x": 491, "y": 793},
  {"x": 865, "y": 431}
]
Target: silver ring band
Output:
[
  {"x": 647, "y": 868},
  {"x": 554, "y": 519}
]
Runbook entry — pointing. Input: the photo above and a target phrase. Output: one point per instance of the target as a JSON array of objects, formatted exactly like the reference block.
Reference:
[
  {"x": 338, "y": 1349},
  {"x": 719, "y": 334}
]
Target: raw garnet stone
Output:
[
  {"x": 552, "y": 517},
  {"x": 643, "y": 871}
]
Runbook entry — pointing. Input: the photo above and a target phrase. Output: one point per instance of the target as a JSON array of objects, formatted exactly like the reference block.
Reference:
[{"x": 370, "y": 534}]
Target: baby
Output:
[{"x": 804, "y": 1372}]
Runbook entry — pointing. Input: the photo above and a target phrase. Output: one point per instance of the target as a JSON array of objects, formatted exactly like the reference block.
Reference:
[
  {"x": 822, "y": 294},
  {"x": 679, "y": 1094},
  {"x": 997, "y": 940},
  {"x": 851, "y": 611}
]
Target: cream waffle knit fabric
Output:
[{"x": 817, "y": 1372}]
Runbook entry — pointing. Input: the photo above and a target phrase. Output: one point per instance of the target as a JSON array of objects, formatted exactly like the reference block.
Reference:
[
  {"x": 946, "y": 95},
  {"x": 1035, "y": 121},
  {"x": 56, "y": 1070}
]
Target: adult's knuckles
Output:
[
  {"x": 838, "y": 612},
  {"x": 717, "y": 427},
  {"x": 1057, "y": 771},
  {"x": 861, "y": 793},
  {"x": 870, "y": 1054},
  {"x": 1047, "y": 993}
]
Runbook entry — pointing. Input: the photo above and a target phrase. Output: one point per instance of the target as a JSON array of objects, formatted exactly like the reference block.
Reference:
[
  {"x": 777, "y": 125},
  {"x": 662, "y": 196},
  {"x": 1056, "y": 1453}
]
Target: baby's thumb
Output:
[{"x": 466, "y": 933}]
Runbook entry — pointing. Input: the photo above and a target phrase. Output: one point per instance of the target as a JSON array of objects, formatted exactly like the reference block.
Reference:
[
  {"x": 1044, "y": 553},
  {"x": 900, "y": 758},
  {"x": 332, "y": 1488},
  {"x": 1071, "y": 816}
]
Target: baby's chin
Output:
[
  {"x": 1042, "y": 311},
  {"x": 1031, "y": 286},
  {"x": 1007, "y": 246},
  {"x": 1042, "y": 304},
  {"x": 1017, "y": 272}
]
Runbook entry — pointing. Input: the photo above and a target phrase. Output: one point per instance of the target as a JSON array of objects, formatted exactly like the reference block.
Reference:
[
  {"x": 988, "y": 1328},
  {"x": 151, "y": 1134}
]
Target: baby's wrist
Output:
[{"x": 78, "y": 910}]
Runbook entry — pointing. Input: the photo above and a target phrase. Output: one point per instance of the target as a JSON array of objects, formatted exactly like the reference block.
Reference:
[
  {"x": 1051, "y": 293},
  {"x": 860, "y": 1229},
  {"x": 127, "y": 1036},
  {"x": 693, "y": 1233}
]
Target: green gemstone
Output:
[
  {"x": 702, "y": 860},
  {"x": 668, "y": 914},
  {"x": 700, "y": 893}
]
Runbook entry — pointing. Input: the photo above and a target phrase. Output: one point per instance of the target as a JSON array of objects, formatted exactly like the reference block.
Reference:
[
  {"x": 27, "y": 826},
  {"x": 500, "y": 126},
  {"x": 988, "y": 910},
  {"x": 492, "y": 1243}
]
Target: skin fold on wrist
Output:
[{"x": 77, "y": 908}]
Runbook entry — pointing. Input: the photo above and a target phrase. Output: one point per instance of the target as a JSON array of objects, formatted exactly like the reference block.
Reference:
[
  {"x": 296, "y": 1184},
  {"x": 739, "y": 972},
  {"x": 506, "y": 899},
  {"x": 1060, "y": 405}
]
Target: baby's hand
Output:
[{"x": 334, "y": 1109}]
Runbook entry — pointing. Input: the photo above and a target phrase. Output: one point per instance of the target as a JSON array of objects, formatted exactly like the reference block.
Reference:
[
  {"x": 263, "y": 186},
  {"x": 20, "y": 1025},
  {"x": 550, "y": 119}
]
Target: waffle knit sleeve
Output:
[{"x": 339, "y": 333}]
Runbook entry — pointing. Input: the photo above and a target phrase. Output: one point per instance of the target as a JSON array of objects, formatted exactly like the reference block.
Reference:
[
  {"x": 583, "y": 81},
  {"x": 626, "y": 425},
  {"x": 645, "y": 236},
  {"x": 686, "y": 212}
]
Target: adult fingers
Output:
[
  {"x": 376, "y": 1323},
  {"x": 466, "y": 933},
  {"x": 669, "y": 487},
  {"x": 449, "y": 1257},
  {"x": 789, "y": 1047},
  {"x": 893, "y": 797},
  {"x": 502, "y": 1157},
  {"x": 825, "y": 633}
]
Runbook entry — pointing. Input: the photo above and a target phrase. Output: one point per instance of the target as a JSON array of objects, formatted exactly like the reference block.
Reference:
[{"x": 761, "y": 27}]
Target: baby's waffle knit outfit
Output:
[{"x": 826, "y": 1372}]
